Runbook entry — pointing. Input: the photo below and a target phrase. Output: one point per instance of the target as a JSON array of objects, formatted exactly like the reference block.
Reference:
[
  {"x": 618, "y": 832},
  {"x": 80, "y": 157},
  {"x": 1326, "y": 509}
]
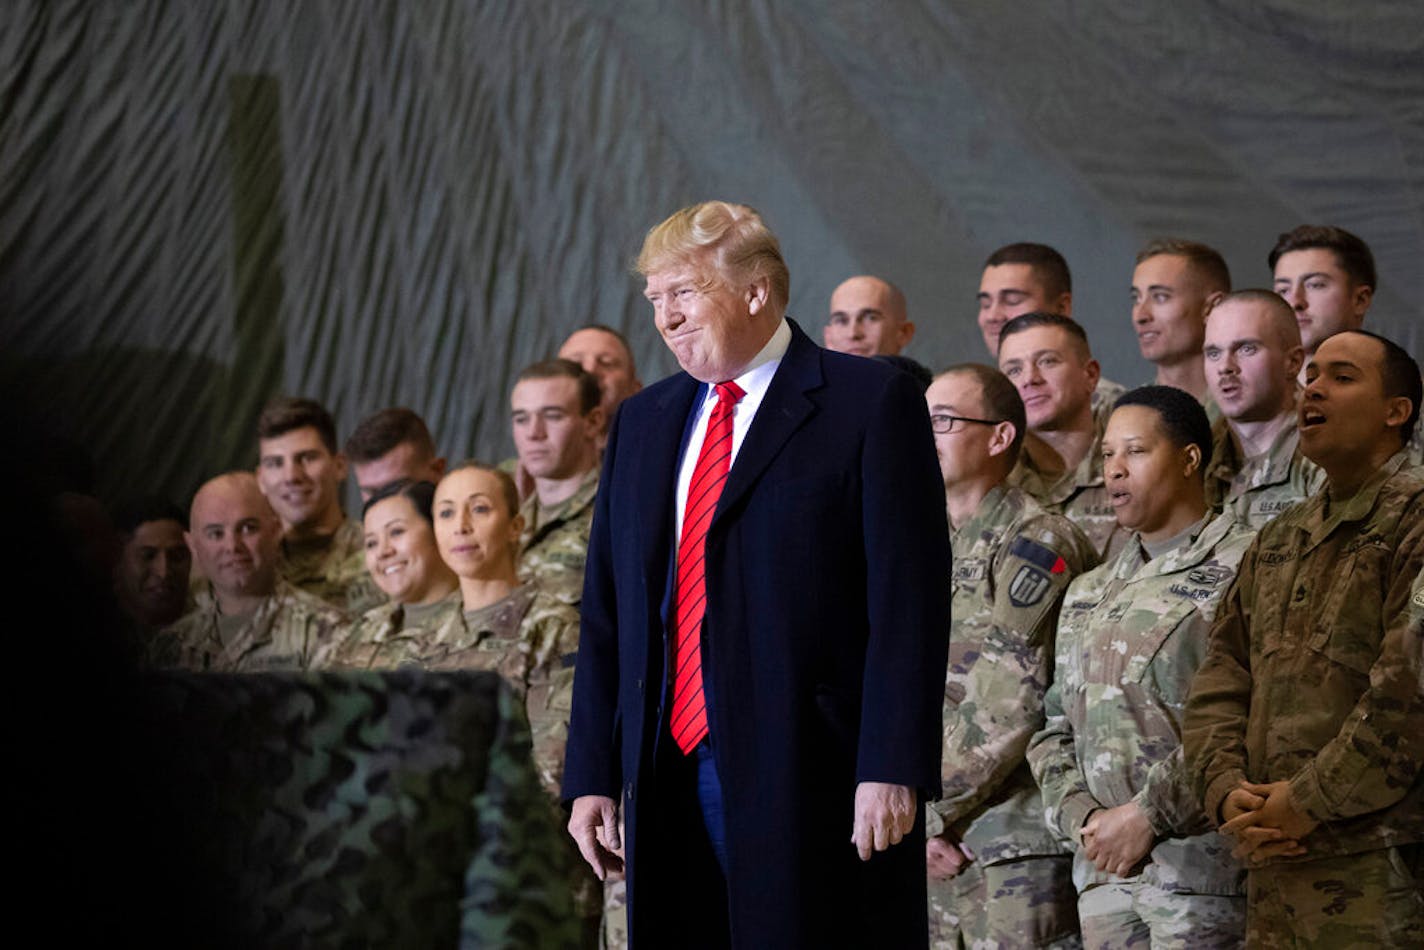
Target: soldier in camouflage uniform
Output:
[
  {"x": 404, "y": 562},
  {"x": 301, "y": 471},
  {"x": 998, "y": 876},
  {"x": 1305, "y": 727},
  {"x": 1253, "y": 355},
  {"x": 1175, "y": 284},
  {"x": 557, "y": 418},
  {"x": 1047, "y": 358},
  {"x": 518, "y": 630},
  {"x": 1131, "y": 634},
  {"x": 247, "y": 618}
]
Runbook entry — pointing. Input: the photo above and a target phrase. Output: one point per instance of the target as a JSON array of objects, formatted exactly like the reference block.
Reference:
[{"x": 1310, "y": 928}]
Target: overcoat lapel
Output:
[{"x": 784, "y": 409}]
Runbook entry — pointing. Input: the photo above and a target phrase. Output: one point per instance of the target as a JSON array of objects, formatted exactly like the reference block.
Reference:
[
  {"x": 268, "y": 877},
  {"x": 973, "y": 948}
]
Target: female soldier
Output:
[{"x": 1131, "y": 634}]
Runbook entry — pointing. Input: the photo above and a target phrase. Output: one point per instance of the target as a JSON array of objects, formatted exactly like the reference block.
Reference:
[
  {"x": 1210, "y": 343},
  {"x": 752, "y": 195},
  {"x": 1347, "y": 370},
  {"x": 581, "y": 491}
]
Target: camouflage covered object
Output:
[
  {"x": 1012, "y": 563},
  {"x": 333, "y": 569},
  {"x": 554, "y": 546},
  {"x": 290, "y": 630},
  {"x": 358, "y": 809},
  {"x": 1258, "y": 489},
  {"x": 1315, "y": 676},
  {"x": 1131, "y": 635}
]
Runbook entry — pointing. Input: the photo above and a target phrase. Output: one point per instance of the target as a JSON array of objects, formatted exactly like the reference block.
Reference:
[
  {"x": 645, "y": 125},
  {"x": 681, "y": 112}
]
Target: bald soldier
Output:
[
  {"x": 868, "y": 318},
  {"x": 1253, "y": 354},
  {"x": 997, "y": 875},
  {"x": 247, "y": 618}
]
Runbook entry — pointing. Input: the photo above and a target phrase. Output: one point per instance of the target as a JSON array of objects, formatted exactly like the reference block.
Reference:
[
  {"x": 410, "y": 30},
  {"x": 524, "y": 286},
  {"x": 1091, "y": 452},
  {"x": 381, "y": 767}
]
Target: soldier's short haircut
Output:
[
  {"x": 1399, "y": 376},
  {"x": 1352, "y": 254},
  {"x": 507, "y": 487},
  {"x": 1040, "y": 318},
  {"x": 1002, "y": 401},
  {"x": 285, "y": 414},
  {"x": 1282, "y": 316},
  {"x": 1206, "y": 261},
  {"x": 420, "y": 494},
  {"x": 129, "y": 514},
  {"x": 1183, "y": 418},
  {"x": 557, "y": 368},
  {"x": 381, "y": 432},
  {"x": 1048, "y": 265}
]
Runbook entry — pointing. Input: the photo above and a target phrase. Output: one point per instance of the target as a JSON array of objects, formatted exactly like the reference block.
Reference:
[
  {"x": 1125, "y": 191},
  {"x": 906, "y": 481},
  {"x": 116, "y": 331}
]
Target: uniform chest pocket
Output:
[
  {"x": 1130, "y": 636},
  {"x": 1348, "y": 626}
]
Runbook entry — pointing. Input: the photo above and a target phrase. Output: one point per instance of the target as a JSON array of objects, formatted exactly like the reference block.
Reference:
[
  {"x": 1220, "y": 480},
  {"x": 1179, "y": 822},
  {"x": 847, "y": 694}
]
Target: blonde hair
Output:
[{"x": 731, "y": 238}]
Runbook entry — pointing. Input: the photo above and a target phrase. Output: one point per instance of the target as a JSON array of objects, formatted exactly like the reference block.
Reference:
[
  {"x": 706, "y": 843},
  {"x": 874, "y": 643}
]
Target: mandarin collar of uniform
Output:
[
  {"x": 986, "y": 513},
  {"x": 1357, "y": 507},
  {"x": 1200, "y": 544}
]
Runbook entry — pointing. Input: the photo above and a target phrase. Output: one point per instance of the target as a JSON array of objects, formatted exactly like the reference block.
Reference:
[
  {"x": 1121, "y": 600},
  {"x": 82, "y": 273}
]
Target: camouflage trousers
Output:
[
  {"x": 1141, "y": 915},
  {"x": 1028, "y": 903},
  {"x": 1373, "y": 899},
  {"x": 615, "y": 915}
]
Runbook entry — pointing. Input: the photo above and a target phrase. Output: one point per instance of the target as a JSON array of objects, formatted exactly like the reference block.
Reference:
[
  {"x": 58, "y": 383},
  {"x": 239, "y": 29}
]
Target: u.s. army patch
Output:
[{"x": 1028, "y": 586}]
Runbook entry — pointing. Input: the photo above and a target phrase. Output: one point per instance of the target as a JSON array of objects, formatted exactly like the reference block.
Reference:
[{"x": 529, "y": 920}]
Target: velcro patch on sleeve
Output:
[{"x": 1036, "y": 554}]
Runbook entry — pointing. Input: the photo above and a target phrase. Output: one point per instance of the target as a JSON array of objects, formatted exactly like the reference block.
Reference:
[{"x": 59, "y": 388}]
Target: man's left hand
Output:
[{"x": 884, "y": 814}]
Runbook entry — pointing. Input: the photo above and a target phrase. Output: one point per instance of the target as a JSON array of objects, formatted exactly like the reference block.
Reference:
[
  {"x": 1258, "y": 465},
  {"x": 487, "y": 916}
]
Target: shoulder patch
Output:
[
  {"x": 1028, "y": 585},
  {"x": 1038, "y": 554}
]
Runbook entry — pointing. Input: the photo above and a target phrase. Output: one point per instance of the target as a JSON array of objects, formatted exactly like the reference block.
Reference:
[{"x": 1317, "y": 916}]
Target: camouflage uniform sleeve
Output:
[
  {"x": 551, "y": 683},
  {"x": 1378, "y": 753},
  {"x": 1003, "y": 704},
  {"x": 1168, "y": 800},
  {"x": 1053, "y": 758},
  {"x": 326, "y": 631},
  {"x": 1214, "y": 727}
]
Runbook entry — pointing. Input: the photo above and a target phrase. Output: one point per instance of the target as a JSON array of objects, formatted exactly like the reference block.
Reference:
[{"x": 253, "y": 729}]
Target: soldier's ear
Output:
[
  {"x": 1191, "y": 459},
  {"x": 1002, "y": 438}
]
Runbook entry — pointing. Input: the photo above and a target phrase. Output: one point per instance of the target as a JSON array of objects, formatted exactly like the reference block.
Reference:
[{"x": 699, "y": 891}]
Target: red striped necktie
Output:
[{"x": 688, "y": 721}]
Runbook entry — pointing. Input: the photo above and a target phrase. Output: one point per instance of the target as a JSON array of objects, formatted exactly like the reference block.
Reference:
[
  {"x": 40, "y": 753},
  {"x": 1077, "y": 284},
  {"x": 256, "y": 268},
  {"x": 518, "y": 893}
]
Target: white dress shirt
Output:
[{"x": 754, "y": 380}]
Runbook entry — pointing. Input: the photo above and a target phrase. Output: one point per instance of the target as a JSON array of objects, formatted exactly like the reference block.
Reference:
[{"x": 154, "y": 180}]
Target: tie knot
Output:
[{"x": 729, "y": 392}]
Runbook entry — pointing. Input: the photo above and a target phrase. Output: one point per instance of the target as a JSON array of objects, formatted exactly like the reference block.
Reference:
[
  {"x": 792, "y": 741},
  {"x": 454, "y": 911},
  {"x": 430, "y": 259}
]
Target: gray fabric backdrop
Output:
[{"x": 378, "y": 203}]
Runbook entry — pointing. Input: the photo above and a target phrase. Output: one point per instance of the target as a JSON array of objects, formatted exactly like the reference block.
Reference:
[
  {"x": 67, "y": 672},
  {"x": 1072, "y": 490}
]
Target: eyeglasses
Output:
[{"x": 943, "y": 422}]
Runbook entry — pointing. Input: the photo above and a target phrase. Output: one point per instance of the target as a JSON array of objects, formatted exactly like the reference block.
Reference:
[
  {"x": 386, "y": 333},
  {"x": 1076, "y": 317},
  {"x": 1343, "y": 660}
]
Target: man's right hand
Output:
[{"x": 594, "y": 825}]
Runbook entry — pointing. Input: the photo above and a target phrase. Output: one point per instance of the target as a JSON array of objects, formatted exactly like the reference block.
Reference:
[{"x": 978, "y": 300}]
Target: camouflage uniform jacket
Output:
[
  {"x": 1012, "y": 563},
  {"x": 1258, "y": 489},
  {"x": 1077, "y": 494},
  {"x": 1315, "y": 673},
  {"x": 1131, "y": 634},
  {"x": 335, "y": 571},
  {"x": 1105, "y": 395},
  {"x": 388, "y": 636},
  {"x": 554, "y": 546},
  {"x": 290, "y": 630}
]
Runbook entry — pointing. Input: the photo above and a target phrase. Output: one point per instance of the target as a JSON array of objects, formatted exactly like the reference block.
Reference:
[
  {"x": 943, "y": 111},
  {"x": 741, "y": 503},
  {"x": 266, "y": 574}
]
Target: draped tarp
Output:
[{"x": 380, "y": 203}]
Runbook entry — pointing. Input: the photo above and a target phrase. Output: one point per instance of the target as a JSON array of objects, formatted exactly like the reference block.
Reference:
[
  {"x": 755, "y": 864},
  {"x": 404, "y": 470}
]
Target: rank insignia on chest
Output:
[
  {"x": 1419, "y": 598},
  {"x": 1211, "y": 575}
]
